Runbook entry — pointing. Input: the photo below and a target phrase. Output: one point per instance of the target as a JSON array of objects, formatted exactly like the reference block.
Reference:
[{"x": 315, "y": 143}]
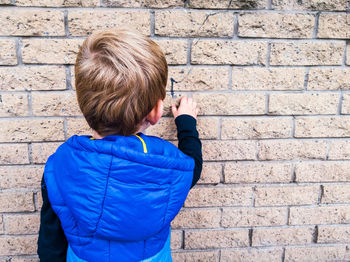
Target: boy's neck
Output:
[{"x": 143, "y": 127}]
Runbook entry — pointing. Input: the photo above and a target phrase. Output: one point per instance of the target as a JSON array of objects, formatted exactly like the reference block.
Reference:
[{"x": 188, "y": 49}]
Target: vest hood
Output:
[{"x": 111, "y": 189}]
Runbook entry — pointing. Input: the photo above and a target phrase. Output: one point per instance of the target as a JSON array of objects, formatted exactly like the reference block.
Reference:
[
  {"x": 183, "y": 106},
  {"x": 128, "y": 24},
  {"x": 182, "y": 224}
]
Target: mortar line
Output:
[
  {"x": 189, "y": 47},
  {"x": 152, "y": 24},
  {"x": 268, "y": 55},
  {"x": 293, "y": 127},
  {"x": 65, "y": 132},
  {"x": 19, "y": 52},
  {"x": 66, "y": 28},
  {"x": 235, "y": 25},
  {"x": 30, "y": 153},
  {"x": 315, "y": 31},
  {"x": 283, "y": 254},
  {"x": 306, "y": 78}
]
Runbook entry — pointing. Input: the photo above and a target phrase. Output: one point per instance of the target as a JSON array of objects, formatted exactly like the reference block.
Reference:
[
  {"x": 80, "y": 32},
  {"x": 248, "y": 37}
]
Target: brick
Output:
[
  {"x": 32, "y": 78},
  {"x": 215, "y": 239},
  {"x": 20, "y": 176},
  {"x": 282, "y": 236},
  {"x": 175, "y": 51},
  {"x": 31, "y": 22},
  {"x": 346, "y": 104},
  {"x": 78, "y": 126},
  {"x": 307, "y": 53},
  {"x": 334, "y": 26},
  {"x": 16, "y": 202},
  {"x": 18, "y": 245},
  {"x": 251, "y": 172},
  {"x": 24, "y": 259},
  {"x": 82, "y": 23},
  {"x": 230, "y": 104},
  {"x": 286, "y": 195},
  {"x": 166, "y": 128},
  {"x": 42, "y": 151},
  {"x": 303, "y": 104},
  {"x": 319, "y": 215},
  {"x": 224, "y": 4},
  {"x": 334, "y": 171},
  {"x": 243, "y": 217},
  {"x": 322, "y": 127},
  {"x": 1, "y": 226},
  {"x": 348, "y": 55},
  {"x": 339, "y": 149},
  {"x": 259, "y": 78},
  {"x": 251, "y": 255},
  {"x": 231, "y": 52},
  {"x": 333, "y": 234},
  {"x": 58, "y": 3},
  {"x": 197, "y": 218},
  {"x": 276, "y": 25},
  {"x": 255, "y": 128},
  {"x": 332, "y": 5},
  {"x": 336, "y": 194},
  {"x": 14, "y": 154},
  {"x": 328, "y": 79},
  {"x": 39, "y": 201},
  {"x": 176, "y": 239},
  {"x": 22, "y": 224},
  {"x": 291, "y": 149},
  {"x": 184, "y": 23},
  {"x": 55, "y": 104},
  {"x": 219, "y": 196},
  {"x": 211, "y": 173},
  {"x": 8, "y": 54},
  {"x": 228, "y": 150},
  {"x": 14, "y": 104},
  {"x": 50, "y": 51},
  {"x": 144, "y": 4},
  {"x": 198, "y": 78},
  {"x": 210, "y": 256},
  {"x": 315, "y": 254},
  {"x": 5, "y": 2},
  {"x": 31, "y": 130}
]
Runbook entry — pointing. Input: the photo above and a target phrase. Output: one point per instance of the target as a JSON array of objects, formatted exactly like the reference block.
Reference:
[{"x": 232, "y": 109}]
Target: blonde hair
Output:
[{"x": 119, "y": 75}]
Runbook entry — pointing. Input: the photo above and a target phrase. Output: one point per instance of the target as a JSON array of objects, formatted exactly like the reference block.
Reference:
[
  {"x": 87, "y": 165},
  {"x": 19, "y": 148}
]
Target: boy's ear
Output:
[{"x": 156, "y": 113}]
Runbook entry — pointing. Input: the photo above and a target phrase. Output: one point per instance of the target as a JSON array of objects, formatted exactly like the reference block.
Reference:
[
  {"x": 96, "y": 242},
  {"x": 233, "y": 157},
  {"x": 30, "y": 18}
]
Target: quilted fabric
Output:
[{"x": 114, "y": 201}]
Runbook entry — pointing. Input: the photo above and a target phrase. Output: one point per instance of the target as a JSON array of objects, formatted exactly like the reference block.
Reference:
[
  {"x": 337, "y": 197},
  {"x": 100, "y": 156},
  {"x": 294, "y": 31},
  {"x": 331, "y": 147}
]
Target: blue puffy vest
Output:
[{"x": 116, "y": 196}]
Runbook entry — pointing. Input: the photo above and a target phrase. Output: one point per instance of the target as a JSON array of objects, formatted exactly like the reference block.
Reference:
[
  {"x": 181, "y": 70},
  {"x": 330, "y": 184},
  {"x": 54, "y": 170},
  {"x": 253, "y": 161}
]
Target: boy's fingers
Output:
[{"x": 173, "y": 109}]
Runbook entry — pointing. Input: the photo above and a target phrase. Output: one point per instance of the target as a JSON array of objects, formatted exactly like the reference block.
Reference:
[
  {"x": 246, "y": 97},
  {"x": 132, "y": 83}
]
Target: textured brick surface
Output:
[
  {"x": 41, "y": 151},
  {"x": 276, "y": 25},
  {"x": 219, "y": 196},
  {"x": 286, "y": 195},
  {"x": 322, "y": 171},
  {"x": 175, "y": 51},
  {"x": 22, "y": 224},
  {"x": 254, "y": 128},
  {"x": 77, "y": 126},
  {"x": 225, "y": 4},
  {"x": 50, "y": 51},
  {"x": 20, "y": 177},
  {"x": 334, "y": 26},
  {"x": 251, "y": 172},
  {"x": 303, "y": 104},
  {"x": 332, "y": 5},
  {"x": 59, "y": 3},
  {"x": 211, "y": 173},
  {"x": 23, "y": 130},
  {"x": 230, "y": 104},
  {"x": 142, "y": 3},
  {"x": 242, "y": 217},
  {"x": 31, "y": 22},
  {"x": 14, "y": 104},
  {"x": 335, "y": 194},
  {"x": 315, "y": 254},
  {"x": 32, "y": 78},
  {"x": 8, "y": 53},
  {"x": 16, "y": 202},
  {"x": 346, "y": 104},
  {"x": 198, "y": 78},
  {"x": 176, "y": 239},
  {"x": 195, "y": 256},
  {"x": 180, "y": 23},
  {"x": 329, "y": 79},
  {"x": 292, "y": 149},
  {"x": 259, "y": 78},
  {"x": 14, "y": 154},
  {"x": 319, "y": 215},
  {"x": 339, "y": 149},
  {"x": 81, "y": 23},
  {"x": 251, "y": 255},
  {"x": 333, "y": 234},
  {"x": 216, "y": 238},
  {"x": 282, "y": 236},
  {"x": 307, "y": 53},
  {"x": 197, "y": 218},
  {"x": 15, "y": 245},
  {"x": 228, "y": 52}
]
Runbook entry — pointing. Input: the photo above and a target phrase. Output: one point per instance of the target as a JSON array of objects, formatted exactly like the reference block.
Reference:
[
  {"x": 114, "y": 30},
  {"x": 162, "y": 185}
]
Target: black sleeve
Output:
[
  {"x": 52, "y": 243},
  {"x": 189, "y": 143}
]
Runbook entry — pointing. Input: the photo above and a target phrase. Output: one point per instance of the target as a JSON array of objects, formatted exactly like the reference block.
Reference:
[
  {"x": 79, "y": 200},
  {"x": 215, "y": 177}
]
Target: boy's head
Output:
[{"x": 120, "y": 76}]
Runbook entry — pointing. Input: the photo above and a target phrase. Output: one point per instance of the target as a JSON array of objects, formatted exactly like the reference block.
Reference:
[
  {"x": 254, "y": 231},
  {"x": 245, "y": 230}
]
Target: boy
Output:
[{"x": 111, "y": 197}]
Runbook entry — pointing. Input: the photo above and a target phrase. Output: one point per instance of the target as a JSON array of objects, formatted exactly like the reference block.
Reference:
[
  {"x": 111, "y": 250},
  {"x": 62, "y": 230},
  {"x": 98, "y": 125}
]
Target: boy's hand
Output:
[{"x": 187, "y": 107}]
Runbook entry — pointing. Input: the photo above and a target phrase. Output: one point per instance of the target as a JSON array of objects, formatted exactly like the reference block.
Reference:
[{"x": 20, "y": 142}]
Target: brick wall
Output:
[{"x": 272, "y": 81}]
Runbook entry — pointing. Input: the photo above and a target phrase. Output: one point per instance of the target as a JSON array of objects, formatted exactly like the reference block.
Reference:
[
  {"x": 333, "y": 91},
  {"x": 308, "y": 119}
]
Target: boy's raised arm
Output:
[{"x": 189, "y": 143}]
